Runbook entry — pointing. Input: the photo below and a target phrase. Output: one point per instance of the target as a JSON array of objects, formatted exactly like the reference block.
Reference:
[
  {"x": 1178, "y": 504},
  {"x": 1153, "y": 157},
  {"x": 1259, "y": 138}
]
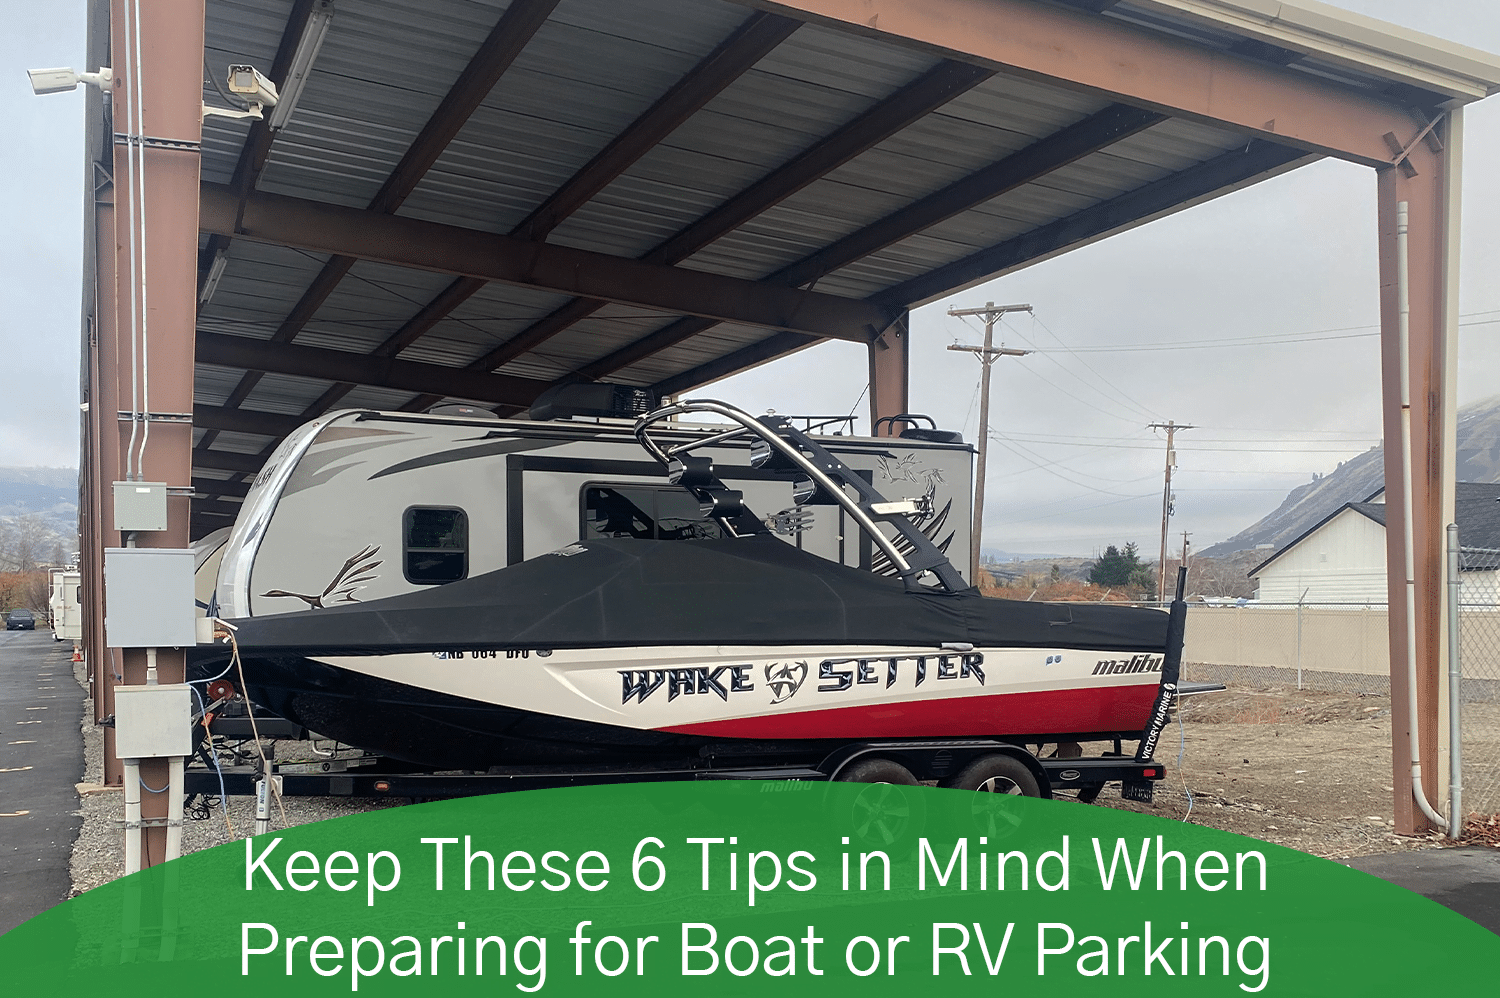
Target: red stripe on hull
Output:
[{"x": 1110, "y": 708}]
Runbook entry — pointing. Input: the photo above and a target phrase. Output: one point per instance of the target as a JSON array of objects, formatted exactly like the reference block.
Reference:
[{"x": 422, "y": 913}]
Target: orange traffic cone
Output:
[{"x": 77, "y": 654}]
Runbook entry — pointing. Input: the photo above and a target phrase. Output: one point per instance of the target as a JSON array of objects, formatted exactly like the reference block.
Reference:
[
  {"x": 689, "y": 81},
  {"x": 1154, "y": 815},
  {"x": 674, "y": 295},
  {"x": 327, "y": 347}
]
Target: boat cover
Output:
[{"x": 737, "y": 591}]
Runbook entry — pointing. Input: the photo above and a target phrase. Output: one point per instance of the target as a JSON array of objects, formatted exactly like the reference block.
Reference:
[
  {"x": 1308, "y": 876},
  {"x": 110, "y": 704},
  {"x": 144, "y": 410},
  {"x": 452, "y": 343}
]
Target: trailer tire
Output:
[
  {"x": 877, "y": 770},
  {"x": 885, "y": 815},
  {"x": 996, "y": 774}
]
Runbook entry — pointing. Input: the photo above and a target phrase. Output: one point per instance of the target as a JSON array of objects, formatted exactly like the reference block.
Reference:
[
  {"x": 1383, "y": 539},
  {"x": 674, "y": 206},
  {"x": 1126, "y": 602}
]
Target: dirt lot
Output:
[{"x": 1305, "y": 769}]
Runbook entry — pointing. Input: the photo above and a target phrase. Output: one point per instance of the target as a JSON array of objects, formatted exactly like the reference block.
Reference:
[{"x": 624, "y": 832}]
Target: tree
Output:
[
  {"x": 1121, "y": 568},
  {"x": 23, "y": 540}
]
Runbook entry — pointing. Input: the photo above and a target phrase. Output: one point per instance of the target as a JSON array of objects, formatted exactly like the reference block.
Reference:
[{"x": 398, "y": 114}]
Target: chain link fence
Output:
[
  {"x": 1479, "y": 655},
  {"x": 1344, "y": 648}
]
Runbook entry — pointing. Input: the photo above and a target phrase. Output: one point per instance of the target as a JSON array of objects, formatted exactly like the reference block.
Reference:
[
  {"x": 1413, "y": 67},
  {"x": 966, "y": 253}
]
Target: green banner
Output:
[{"x": 739, "y": 887}]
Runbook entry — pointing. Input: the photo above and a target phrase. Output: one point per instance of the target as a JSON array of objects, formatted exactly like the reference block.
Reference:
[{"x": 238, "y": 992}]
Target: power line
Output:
[
  {"x": 1269, "y": 339},
  {"x": 1119, "y": 392}
]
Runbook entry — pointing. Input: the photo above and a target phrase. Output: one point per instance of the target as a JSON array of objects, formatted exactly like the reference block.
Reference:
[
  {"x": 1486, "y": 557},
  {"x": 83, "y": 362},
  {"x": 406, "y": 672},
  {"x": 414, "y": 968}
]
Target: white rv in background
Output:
[
  {"x": 360, "y": 505},
  {"x": 65, "y": 605}
]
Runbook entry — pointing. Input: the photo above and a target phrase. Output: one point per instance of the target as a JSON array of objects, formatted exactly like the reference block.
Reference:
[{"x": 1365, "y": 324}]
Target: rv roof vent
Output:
[
  {"x": 593, "y": 399},
  {"x": 458, "y": 409}
]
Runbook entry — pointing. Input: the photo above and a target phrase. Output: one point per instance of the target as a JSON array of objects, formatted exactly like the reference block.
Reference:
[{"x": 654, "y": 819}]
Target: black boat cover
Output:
[{"x": 738, "y": 591}]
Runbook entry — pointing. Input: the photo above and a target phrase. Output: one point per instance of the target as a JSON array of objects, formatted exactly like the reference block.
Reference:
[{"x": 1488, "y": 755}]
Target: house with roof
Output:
[{"x": 1342, "y": 558}]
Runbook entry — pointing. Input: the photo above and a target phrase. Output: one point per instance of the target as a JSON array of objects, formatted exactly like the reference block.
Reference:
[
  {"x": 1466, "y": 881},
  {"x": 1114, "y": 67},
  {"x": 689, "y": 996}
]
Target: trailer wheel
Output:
[
  {"x": 986, "y": 810},
  {"x": 884, "y": 814},
  {"x": 996, "y": 774},
  {"x": 877, "y": 770}
]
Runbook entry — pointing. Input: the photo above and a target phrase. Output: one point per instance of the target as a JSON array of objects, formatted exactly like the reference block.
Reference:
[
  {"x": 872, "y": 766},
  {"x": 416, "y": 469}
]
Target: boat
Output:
[{"x": 732, "y": 649}]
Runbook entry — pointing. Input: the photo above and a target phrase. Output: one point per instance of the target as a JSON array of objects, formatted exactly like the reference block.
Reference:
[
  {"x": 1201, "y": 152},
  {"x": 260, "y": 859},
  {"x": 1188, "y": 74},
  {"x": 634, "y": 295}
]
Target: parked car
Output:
[{"x": 20, "y": 620}]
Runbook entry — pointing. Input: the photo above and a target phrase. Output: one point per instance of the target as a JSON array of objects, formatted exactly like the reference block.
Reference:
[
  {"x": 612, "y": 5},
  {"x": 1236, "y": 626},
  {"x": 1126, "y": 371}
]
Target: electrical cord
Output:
[
  {"x": 265, "y": 764},
  {"x": 1182, "y": 751},
  {"x": 214, "y": 755}
]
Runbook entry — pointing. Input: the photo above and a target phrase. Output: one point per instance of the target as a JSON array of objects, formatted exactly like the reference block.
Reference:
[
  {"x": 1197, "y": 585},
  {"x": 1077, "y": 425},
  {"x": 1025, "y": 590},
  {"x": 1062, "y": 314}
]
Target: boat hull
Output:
[{"x": 482, "y": 708}]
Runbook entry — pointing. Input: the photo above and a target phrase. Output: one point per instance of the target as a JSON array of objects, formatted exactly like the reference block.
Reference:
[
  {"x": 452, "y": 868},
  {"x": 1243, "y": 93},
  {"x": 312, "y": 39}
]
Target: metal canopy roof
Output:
[{"x": 476, "y": 199}]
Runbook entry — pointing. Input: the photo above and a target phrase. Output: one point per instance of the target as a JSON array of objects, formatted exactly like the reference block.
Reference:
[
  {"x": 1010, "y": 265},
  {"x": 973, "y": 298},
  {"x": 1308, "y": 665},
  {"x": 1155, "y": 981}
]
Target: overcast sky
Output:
[{"x": 1286, "y": 269}]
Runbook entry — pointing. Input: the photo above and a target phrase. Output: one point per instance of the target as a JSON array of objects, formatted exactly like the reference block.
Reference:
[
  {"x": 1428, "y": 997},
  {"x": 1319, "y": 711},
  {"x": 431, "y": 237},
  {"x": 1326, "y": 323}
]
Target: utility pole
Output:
[
  {"x": 987, "y": 356},
  {"x": 1166, "y": 503}
]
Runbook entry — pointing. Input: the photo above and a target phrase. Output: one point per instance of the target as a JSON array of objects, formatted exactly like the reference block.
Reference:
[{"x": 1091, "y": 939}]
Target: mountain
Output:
[
  {"x": 38, "y": 490},
  {"x": 1357, "y": 478},
  {"x": 38, "y": 515}
]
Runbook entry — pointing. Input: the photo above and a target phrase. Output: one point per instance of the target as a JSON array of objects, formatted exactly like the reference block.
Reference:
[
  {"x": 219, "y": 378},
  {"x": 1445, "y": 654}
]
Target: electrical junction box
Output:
[
  {"x": 153, "y": 722},
  {"x": 140, "y": 506},
  {"x": 148, "y": 598}
]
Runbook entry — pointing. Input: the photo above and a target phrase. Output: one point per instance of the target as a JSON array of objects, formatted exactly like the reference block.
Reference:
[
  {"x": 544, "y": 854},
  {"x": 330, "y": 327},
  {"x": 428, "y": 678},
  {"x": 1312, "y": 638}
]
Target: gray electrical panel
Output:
[
  {"x": 153, "y": 722},
  {"x": 140, "y": 506},
  {"x": 148, "y": 598}
]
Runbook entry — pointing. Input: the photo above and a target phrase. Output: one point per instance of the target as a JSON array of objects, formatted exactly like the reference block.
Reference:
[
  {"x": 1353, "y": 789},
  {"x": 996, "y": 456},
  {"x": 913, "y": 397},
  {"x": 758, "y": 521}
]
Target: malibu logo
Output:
[{"x": 1138, "y": 663}]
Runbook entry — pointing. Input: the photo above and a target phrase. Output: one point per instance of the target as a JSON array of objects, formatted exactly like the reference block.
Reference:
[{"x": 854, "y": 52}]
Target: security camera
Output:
[
  {"x": 60, "y": 81},
  {"x": 248, "y": 82}
]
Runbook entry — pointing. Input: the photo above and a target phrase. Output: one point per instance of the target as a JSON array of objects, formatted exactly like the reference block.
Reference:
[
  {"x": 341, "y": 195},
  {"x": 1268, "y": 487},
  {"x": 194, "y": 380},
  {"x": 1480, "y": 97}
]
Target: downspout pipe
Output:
[
  {"x": 1403, "y": 297},
  {"x": 1455, "y": 691}
]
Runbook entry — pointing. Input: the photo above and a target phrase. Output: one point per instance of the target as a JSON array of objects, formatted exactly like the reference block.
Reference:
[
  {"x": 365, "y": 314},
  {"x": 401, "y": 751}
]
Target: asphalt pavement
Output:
[
  {"x": 1466, "y": 879},
  {"x": 41, "y": 759}
]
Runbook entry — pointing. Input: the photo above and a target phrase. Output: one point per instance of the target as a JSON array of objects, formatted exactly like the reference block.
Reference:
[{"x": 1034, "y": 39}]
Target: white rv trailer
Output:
[
  {"x": 360, "y": 505},
  {"x": 65, "y": 606},
  {"x": 208, "y": 551}
]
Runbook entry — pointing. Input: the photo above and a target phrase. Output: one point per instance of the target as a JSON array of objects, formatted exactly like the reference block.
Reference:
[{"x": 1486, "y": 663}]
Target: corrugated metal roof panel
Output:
[
  {"x": 591, "y": 70},
  {"x": 489, "y": 318},
  {"x": 285, "y": 393}
]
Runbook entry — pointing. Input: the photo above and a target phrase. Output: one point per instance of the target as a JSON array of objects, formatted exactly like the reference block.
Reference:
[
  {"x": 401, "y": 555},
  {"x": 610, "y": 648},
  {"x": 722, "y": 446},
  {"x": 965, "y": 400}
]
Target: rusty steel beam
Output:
[
  {"x": 1431, "y": 293},
  {"x": 1134, "y": 65},
  {"x": 270, "y": 424},
  {"x": 156, "y": 233},
  {"x": 382, "y": 372},
  {"x": 218, "y": 487},
  {"x": 1217, "y": 176},
  {"x": 412, "y": 242},
  {"x": 1096, "y": 132},
  {"x": 223, "y": 460},
  {"x": 506, "y": 40}
]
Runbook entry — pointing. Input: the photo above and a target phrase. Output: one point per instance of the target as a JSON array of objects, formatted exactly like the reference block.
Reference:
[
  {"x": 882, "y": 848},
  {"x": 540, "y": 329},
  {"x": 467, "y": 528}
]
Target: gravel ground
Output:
[
  {"x": 1303, "y": 769},
  {"x": 99, "y": 852}
]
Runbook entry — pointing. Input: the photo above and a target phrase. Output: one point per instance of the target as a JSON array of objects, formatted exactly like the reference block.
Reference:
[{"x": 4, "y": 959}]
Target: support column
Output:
[
  {"x": 104, "y": 461},
  {"x": 890, "y": 374},
  {"x": 170, "y": 80},
  {"x": 1431, "y": 290}
]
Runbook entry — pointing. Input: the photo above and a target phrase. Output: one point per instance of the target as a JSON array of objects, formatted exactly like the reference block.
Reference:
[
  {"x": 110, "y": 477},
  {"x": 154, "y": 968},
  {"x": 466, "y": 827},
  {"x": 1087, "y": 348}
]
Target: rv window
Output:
[
  {"x": 435, "y": 542},
  {"x": 665, "y": 513}
]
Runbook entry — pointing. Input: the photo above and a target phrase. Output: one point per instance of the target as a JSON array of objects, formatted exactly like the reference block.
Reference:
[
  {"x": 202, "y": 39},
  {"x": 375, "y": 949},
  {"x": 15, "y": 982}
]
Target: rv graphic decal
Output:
[
  {"x": 784, "y": 679},
  {"x": 345, "y": 584}
]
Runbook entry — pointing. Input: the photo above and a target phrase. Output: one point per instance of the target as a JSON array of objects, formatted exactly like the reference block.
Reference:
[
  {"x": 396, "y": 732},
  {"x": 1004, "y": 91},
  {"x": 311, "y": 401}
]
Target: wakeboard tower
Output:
[{"x": 721, "y": 653}]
